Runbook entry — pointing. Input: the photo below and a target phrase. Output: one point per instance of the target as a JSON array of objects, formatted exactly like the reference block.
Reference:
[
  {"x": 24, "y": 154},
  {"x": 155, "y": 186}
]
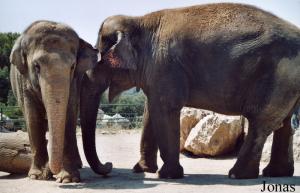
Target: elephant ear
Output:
[
  {"x": 122, "y": 54},
  {"x": 17, "y": 55},
  {"x": 86, "y": 57}
]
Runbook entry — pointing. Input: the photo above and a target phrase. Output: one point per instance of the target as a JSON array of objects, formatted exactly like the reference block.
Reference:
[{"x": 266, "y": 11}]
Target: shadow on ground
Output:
[
  {"x": 118, "y": 179},
  {"x": 13, "y": 176},
  {"x": 124, "y": 179}
]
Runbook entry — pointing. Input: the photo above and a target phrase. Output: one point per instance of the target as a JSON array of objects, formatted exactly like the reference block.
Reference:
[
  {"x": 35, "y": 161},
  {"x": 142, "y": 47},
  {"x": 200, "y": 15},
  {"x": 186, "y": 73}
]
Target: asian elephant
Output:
[
  {"x": 229, "y": 58},
  {"x": 48, "y": 61}
]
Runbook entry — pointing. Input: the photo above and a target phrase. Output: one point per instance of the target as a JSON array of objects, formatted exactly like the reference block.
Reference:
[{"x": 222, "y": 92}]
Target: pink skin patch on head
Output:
[{"x": 112, "y": 59}]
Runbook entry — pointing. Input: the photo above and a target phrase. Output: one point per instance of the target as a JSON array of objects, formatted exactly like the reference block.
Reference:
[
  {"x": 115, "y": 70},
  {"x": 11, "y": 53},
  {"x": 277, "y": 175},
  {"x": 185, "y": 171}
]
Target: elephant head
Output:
[
  {"x": 120, "y": 41},
  {"x": 49, "y": 55},
  {"x": 118, "y": 68}
]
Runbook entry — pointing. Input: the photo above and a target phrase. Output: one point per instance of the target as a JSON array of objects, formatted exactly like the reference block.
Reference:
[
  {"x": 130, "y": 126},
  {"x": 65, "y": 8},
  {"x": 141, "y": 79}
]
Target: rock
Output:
[
  {"x": 296, "y": 145},
  {"x": 100, "y": 114},
  {"x": 7, "y": 122},
  {"x": 4, "y": 130},
  {"x": 295, "y": 120},
  {"x": 112, "y": 121},
  {"x": 120, "y": 121},
  {"x": 189, "y": 117},
  {"x": 107, "y": 120},
  {"x": 99, "y": 120},
  {"x": 214, "y": 135}
]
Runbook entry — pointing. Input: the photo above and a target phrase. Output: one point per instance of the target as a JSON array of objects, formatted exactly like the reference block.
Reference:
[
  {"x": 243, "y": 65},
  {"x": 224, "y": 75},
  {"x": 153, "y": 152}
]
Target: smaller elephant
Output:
[
  {"x": 229, "y": 58},
  {"x": 47, "y": 64}
]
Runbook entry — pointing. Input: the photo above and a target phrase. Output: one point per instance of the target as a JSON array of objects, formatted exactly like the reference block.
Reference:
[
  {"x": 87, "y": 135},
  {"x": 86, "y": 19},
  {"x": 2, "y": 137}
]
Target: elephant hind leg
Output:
[
  {"x": 148, "y": 147},
  {"x": 282, "y": 162},
  {"x": 247, "y": 164}
]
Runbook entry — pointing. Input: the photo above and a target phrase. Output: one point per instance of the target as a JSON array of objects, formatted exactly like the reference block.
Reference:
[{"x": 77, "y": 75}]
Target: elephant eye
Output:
[
  {"x": 111, "y": 39},
  {"x": 108, "y": 42},
  {"x": 37, "y": 68}
]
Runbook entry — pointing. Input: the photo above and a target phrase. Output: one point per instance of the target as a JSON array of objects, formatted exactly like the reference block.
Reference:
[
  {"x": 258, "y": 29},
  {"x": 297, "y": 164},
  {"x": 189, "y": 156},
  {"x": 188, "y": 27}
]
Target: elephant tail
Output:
[{"x": 89, "y": 103}]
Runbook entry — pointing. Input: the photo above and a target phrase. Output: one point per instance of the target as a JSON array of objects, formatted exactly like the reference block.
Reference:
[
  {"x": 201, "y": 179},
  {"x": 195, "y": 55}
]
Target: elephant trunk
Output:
[
  {"x": 89, "y": 103},
  {"x": 55, "y": 96}
]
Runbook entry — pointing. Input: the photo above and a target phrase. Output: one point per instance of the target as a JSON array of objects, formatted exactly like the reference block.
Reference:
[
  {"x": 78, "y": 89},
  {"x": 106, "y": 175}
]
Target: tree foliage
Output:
[
  {"x": 6, "y": 43},
  {"x": 130, "y": 104},
  {"x": 4, "y": 84}
]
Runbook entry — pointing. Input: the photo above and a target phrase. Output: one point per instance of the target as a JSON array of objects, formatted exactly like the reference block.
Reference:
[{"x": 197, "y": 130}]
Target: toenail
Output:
[{"x": 67, "y": 180}]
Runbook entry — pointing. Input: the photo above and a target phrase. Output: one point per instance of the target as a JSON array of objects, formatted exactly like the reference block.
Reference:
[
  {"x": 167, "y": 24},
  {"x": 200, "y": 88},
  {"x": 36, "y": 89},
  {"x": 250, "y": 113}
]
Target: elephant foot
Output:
[
  {"x": 68, "y": 176},
  {"x": 42, "y": 173},
  {"x": 171, "y": 171},
  {"x": 142, "y": 166},
  {"x": 243, "y": 172},
  {"x": 278, "y": 170},
  {"x": 78, "y": 163}
]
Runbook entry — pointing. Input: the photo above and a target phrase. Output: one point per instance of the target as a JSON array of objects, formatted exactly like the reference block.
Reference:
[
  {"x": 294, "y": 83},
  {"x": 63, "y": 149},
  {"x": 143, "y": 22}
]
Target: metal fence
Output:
[
  {"x": 120, "y": 115},
  {"x": 11, "y": 118},
  {"x": 109, "y": 115}
]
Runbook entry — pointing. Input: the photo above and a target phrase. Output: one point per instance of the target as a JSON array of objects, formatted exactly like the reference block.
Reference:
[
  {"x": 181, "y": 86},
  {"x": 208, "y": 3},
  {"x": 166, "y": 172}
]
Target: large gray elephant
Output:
[
  {"x": 229, "y": 58},
  {"x": 47, "y": 64}
]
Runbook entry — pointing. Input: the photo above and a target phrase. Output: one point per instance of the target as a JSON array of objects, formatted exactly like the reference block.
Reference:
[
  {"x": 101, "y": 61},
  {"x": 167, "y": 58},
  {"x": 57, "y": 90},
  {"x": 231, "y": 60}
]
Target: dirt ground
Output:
[{"x": 121, "y": 148}]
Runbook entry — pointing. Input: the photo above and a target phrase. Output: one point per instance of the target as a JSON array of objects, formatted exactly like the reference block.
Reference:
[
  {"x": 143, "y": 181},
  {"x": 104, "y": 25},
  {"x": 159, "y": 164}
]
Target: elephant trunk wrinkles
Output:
[{"x": 55, "y": 96}]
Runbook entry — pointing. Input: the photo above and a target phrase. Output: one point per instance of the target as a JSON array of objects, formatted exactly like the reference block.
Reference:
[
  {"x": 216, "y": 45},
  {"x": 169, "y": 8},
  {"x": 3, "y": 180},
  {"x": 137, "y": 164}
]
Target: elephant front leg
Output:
[
  {"x": 36, "y": 127},
  {"x": 148, "y": 147},
  {"x": 166, "y": 127}
]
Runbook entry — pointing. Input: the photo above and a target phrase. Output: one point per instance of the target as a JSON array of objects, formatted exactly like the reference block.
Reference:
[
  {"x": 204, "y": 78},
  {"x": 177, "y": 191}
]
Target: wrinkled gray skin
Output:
[
  {"x": 229, "y": 58},
  {"x": 47, "y": 64}
]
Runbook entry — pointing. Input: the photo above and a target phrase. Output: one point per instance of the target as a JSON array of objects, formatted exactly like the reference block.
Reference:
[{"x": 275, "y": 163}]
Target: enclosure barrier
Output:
[{"x": 109, "y": 115}]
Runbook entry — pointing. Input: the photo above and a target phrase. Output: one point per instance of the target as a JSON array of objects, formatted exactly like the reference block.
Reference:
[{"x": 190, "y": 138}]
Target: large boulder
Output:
[
  {"x": 214, "y": 135},
  {"x": 189, "y": 117}
]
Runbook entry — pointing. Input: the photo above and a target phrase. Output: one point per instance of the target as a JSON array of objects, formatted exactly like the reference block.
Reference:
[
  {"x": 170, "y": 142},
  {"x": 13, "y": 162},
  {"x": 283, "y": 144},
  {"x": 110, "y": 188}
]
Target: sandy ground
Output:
[{"x": 201, "y": 174}]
